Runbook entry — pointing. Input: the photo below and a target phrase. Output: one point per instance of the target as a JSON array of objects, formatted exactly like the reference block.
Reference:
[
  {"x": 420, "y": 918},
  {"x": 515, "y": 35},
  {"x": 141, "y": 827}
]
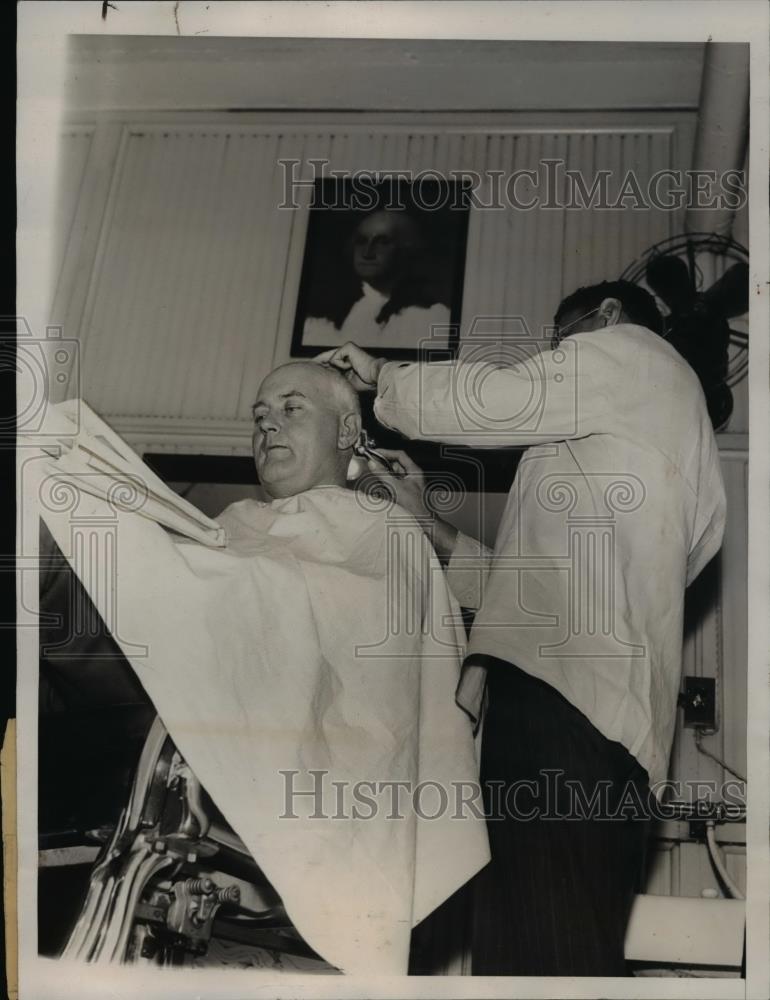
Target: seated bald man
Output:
[
  {"x": 306, "y": 672},
  {"x": 382, "y": 694},
  {"x": 305, "y": 426},
  {"x": 306, "y": 421}
]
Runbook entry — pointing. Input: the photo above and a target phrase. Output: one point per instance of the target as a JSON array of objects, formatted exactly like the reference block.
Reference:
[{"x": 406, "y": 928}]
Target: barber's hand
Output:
[
  {"x": 358, "y": 367},
  {"x": 406, "y": 481}
]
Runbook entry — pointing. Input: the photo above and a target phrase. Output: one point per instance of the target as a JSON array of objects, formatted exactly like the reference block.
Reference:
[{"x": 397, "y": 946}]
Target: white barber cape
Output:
[{"x": 321, "y": 638}]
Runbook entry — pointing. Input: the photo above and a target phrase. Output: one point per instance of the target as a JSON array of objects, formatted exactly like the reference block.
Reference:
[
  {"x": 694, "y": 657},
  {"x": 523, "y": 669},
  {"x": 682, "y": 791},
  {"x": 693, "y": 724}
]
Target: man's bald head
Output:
[
  {"x": 333, "y": 382},
  {"x": 306, "y": 420}
]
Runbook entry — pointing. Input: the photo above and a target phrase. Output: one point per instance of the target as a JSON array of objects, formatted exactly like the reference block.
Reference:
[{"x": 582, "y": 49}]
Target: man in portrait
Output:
[{"x": 384, "y": 294}]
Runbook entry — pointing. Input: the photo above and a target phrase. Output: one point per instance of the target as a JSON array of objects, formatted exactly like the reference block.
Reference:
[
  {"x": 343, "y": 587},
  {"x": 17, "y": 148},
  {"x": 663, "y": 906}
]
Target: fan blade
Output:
[
  {"x": 720, "y": 406},
  {"x": 669, "y": 278},
  {"x": 729, "y": 296}
]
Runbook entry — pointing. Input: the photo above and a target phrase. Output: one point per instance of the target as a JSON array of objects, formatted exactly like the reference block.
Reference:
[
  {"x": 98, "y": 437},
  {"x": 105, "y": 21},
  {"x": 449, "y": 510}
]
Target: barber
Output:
[{"x": 616, "y": 506}]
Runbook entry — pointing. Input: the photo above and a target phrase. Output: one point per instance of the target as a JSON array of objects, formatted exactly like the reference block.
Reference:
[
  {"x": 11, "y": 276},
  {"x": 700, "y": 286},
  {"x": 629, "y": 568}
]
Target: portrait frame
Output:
[{"x": 437, "y": 210}]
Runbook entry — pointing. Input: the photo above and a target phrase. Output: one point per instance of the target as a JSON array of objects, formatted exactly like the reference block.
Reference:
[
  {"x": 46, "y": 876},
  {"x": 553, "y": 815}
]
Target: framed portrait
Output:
[{"x": 383, "y": 266}]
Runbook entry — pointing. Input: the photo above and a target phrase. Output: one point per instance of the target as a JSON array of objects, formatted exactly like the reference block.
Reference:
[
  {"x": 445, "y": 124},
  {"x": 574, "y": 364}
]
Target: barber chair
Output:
[{"x": 172, "y": 875}]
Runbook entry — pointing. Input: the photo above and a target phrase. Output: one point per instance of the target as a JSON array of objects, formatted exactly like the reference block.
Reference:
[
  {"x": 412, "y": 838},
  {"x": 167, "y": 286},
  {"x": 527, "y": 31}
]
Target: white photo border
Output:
[{"x": 43, "y": 29}]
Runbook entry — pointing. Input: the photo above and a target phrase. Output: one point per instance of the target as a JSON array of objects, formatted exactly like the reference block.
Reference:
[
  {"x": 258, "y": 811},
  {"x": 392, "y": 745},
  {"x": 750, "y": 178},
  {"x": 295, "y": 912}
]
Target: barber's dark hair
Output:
[{"x": 638, "y": 305}]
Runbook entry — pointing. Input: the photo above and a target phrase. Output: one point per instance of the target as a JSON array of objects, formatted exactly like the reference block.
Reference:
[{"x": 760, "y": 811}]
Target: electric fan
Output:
[{"x": 696, "y": 320}]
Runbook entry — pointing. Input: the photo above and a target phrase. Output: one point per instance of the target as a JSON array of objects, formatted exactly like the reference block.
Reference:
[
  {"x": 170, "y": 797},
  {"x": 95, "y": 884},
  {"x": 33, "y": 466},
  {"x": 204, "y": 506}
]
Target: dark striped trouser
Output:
[{"x": 556, "y": 897}]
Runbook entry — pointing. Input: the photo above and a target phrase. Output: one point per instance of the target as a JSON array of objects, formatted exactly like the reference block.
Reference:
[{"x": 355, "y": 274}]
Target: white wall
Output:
[
  {"x": 181, "y": 272},
  {"x": 179, "y": 275},
  {"x": 164, "y": 73}
]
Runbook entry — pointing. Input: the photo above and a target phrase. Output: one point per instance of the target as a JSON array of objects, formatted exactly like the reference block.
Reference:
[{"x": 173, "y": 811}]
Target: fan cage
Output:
[{"x": 690, "y": 245}]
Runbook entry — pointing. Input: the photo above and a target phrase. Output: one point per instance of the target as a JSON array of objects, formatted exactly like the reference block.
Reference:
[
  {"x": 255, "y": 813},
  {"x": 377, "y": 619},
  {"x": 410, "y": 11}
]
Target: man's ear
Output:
[
  {"x": 610, "y": 311},
  {"x": 349, "y": 430}
]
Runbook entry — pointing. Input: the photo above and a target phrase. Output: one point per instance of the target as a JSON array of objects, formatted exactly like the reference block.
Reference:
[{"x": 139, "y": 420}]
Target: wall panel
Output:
[
  {"x": 75, "y": 148},
  {"x": 193, "y": 280}
]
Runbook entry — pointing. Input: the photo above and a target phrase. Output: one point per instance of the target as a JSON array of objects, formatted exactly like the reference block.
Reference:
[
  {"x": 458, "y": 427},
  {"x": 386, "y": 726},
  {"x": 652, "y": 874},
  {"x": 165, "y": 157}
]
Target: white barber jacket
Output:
[{"x": 617, "y": 505}]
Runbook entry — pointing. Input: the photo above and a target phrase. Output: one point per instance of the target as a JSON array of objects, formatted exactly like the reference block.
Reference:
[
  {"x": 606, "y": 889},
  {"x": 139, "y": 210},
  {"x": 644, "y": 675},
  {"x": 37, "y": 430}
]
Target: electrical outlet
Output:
[{"x": 698, "y": 699}]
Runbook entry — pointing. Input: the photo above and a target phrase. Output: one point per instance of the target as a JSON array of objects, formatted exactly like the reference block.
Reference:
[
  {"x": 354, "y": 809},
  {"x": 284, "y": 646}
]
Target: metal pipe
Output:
[
  {"x": 716, "y": 857},
  {"x": 723, "y": 118}
]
